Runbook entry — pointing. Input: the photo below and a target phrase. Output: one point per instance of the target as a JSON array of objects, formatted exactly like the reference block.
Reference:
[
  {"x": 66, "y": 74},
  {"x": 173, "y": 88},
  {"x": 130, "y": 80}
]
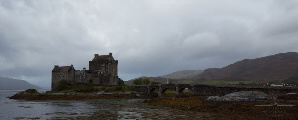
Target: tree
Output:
[
  {"x": 155, "y": 83},
  {"x": 143, "y": 81},
  {"x": 121, "y": 82},
  {"x": 137, "y": 81},
  {"x": 146, "y": 81}
]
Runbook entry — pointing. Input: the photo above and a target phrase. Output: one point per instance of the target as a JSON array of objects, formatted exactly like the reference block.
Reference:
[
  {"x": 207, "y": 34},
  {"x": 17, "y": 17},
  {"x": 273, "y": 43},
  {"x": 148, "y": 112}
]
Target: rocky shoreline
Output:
[{"x": 77, "y": 96}]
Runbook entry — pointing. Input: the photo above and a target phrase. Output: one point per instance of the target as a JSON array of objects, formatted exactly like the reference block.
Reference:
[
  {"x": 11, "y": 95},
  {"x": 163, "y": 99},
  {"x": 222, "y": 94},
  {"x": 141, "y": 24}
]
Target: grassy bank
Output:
[
  {"x": 222, "y": 82},
  {"x": 84, "y": 96},
  {"x": 66, "y": 87},
  {"x": 72, "y": 91}
]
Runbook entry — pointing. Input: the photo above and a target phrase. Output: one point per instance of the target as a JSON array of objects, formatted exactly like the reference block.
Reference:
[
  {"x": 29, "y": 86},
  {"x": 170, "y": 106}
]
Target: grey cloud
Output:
[{"x": 147, "y": 37}]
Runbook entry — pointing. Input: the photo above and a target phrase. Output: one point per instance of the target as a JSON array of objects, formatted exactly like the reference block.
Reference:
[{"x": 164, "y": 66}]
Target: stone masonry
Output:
[{"x": 103, "y": 70}]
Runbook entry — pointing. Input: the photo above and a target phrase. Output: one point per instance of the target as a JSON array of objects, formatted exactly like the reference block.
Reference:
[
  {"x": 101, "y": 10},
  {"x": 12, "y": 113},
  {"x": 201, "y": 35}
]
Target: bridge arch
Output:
[
  {"x": 180, "y": 88},
  {"x": 163, "y": 88},
  {"x": 151, "y": 89}
]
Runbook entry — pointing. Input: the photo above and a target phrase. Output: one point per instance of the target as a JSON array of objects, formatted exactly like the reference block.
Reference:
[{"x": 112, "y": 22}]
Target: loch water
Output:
[
  {"x": 102, "y": 109},
  {"x": 22, "y": 109}
]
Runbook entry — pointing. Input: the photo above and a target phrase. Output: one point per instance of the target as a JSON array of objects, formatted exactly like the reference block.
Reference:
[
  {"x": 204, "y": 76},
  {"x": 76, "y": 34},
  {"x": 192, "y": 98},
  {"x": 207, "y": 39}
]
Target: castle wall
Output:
[
  {"x": 71, "y": 75},
  {"x": 103, "y": 70},
  {"x": 113, "y": 70},
  {"x": 68, "y": 74}
]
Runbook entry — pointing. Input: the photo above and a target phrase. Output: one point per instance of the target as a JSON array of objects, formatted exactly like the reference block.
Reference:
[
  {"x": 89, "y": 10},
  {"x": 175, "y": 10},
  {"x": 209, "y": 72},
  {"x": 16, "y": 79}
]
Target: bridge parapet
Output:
[
  {"x": 168, "y": 86},
  {"x": 207, "y": 90},
  {"x": 201, "y": 89},
  {"x": 141, "y": 89}
]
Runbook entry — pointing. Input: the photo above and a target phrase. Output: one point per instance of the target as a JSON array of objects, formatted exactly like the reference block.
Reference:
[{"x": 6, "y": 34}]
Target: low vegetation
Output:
[
  {"x": 144, "y": 81},
  {"x": 222, "y": 82},
  {"x": 226, "y": 111},
  {"x": 67, "y": 86},
  {"x": 31, "y": 91}
]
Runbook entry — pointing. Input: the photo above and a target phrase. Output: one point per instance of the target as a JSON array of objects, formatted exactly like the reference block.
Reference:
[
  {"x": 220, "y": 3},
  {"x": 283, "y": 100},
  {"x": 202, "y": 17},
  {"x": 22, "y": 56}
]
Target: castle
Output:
[{"x": 103, "y": 70}]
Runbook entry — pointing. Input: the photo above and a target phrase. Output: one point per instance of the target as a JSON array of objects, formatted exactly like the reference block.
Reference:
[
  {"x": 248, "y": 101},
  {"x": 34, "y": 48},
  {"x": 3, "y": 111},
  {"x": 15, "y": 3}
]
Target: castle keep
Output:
[{"x": 103, "y": 70}]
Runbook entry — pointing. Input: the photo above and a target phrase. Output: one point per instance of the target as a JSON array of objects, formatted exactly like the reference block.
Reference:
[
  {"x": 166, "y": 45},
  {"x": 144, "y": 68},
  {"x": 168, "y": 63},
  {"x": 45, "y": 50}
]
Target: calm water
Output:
[
  {"x": 89, "y": 109},
  {"x": 21, "y": 109}
]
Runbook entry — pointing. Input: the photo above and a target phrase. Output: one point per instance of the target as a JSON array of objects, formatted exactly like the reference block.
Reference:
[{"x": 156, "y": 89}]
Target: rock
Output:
[
  {"x": 57, "y": 94},
  {"x": 108, "y": 93},
  {"x": 248, "y": 96},
  {"x": 99, "y": 93},
  {"x": 127, "y": 93},
  {"x": 72, "y": 93}
]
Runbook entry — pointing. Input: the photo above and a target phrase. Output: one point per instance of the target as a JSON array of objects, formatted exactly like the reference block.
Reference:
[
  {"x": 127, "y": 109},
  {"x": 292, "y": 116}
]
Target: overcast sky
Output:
[{"x": 148, "y": 37}]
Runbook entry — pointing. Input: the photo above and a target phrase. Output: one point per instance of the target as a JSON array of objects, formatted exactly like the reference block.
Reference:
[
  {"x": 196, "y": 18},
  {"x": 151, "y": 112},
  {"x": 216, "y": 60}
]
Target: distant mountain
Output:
[
  {"x": 176, "y": 77},
  {"x": 271, "y": 68},
  {"x": 14, "y": 84},
  {"x": 184, "y": 74},
  {"x": 282, "y": 67}
]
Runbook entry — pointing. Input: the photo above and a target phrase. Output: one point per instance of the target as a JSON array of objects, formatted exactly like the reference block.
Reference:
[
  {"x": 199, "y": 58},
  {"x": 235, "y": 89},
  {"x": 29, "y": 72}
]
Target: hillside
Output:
[
  {"x": 14, "y": 84},
  {"x": 184, "y": 74},
  {"x": 281, "y": 67},
  {"x": 271, "y": 68},
  {"x": 182, "y": 77}
]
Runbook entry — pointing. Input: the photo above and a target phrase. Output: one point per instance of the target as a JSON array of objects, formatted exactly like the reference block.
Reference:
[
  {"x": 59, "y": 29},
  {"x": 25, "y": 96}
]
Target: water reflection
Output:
[
  {"x": 89, "y": 109},
  {"x": 21, "y": 109},
  {"x": 18, "y": 109}
]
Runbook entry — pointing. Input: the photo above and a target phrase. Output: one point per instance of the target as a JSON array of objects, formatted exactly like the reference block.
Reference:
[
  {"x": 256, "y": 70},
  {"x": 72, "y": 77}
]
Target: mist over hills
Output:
[
  {"x": 14, "y": 84},
  {"x": 278, "y": 67},
  {"x": 183, "y": 74}
]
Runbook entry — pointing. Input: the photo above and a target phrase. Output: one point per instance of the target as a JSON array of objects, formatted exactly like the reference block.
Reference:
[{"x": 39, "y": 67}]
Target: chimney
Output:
[
  {"x": 56, "y": 66},
  {"x": 84, "y": 68},
  {"x": 110, "y": 54},
  {"x": 95, "y": 57}
]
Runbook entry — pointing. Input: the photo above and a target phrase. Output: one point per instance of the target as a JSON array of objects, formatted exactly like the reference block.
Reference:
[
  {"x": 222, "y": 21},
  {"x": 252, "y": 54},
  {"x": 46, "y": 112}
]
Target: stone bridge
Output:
[{"x": 206, "y": 90}]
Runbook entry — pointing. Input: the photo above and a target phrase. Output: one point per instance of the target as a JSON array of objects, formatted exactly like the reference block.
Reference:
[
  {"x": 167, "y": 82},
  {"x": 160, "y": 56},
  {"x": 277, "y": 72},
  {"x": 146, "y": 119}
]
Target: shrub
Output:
[
  {"x": 31, "y": 91},
  {"x": 142, "y": 81},
  {"x": 117, "y": 89},
  {"x": 121, "y": 82},
  {"x": 155, "y": 83},
  {"x": 64, "y": 85},
  {"x": 85, "y": 89}
]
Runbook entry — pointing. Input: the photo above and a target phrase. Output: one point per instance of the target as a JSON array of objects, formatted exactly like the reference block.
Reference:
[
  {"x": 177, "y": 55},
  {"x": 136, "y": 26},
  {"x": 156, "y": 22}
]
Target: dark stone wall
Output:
[
  {"x": 103, "y": 70},
  {"x": 141, "y": 89},
  {"x": 62, "y": 75}
]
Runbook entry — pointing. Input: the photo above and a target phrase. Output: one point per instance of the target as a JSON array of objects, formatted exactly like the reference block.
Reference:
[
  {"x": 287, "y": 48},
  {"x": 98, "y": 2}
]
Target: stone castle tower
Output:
[{"x": 103, "y": 70}]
